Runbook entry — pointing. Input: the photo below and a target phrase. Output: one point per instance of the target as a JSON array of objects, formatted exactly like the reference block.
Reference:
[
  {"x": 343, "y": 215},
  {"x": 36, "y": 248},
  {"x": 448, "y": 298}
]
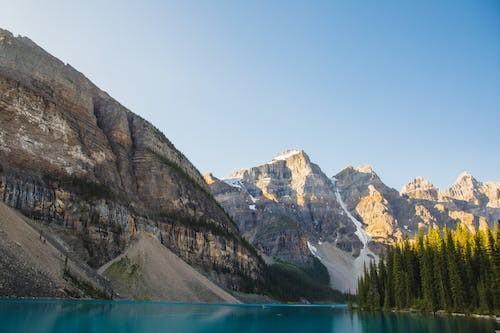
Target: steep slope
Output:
[
  {"x": 289, "y": 209},
  {"x": 32, "y": 265},
  {"x": 291, "y": 201},
  {"x": 72, "y": 156},
  {"x": 380, "y": 208},
  {"x": 420, "y": 189},
  {"x": 148, "y": 270}
]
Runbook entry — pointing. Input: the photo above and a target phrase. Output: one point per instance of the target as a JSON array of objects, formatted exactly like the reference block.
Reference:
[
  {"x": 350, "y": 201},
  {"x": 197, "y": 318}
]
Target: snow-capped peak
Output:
[
  {"x": 286, "y": 154},
  {"x": 364, "y": 168},
  {"x": 465, "y": 174}
]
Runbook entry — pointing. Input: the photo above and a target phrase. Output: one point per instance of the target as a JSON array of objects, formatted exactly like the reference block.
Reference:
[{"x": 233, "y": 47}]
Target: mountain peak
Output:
[
  {"x": 465, "y": 176},
  {"x": 420, "y": 188},
  {"x": 288, "y": 153},
  {"x": 5, "y": 33},
  {"x": 364, "y": 168}
]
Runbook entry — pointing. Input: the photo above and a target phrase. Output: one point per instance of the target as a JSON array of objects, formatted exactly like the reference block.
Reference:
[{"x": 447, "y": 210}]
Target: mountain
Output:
[
  {"x": 290, "y": 210},
  {"x": 95, "y": 175},
  {"x": 420, "y": 188},
  {"x": 468, "y": 189}
]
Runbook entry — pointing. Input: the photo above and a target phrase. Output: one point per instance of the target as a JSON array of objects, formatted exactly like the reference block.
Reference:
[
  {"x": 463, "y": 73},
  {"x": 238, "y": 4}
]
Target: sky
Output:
[{"x": 409, "y": 87}]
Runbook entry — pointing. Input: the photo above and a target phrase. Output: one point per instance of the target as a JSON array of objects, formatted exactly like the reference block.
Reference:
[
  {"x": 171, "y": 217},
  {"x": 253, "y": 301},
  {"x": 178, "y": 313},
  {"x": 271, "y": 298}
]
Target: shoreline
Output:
[
  {"x": 441, "y": 313},
  {"x": 167, "y": 302}
]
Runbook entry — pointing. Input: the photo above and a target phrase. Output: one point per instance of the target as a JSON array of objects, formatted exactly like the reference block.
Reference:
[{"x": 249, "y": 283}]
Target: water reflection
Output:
[{"x": 142, "y": 317}]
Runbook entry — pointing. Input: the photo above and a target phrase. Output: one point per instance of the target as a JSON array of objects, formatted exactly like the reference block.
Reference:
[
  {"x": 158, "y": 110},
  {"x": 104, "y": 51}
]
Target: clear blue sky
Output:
[{"x": 410, "y": 87}]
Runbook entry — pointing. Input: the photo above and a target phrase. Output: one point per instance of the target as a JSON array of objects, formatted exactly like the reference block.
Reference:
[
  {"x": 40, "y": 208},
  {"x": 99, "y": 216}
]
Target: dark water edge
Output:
[{"x": 46, "y": 316}]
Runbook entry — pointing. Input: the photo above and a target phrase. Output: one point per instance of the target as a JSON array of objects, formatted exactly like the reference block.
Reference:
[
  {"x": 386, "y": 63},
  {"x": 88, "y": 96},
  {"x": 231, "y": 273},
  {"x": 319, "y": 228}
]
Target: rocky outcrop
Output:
[
  {"x": 420, "y": 188},
  {"x": 377, "y": 214},
  {"x": 385, "y": 213},
  {"x": 35, "y": 263},
  {"x": 287, "y": 209},
  {"x": 281, "y": 205},
  {"x": 467, "y": 188},
  {"x": 492, "y": 191},
  {"x": 72, "y": 156}
]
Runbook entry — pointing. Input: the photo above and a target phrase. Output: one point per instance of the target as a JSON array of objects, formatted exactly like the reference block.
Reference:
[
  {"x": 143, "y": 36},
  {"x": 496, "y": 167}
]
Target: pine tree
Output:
[
  {"x": 427, "y": 278},
  {"x": 382, "y": 278},
  {"x": 399, "y": 280},
  {"x": 455, "y": 280},
  {"x": 450, "y": 270},
  {"x": 373, "y": 296},
  {"x": 389, "y": 283}
]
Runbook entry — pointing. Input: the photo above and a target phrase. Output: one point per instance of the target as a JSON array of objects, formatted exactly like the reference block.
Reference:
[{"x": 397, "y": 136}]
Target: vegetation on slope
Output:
[
  {"x": 451, "y": 270},
  {"x": 289, "y": 283}
]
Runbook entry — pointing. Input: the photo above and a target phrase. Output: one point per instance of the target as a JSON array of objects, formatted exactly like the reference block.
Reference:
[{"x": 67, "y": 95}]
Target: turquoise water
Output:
[{"x": 141, "y": 317}]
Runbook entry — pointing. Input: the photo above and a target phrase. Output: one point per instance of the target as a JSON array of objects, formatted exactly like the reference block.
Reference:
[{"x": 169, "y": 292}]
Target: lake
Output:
[{"x": 46, "y": 316}]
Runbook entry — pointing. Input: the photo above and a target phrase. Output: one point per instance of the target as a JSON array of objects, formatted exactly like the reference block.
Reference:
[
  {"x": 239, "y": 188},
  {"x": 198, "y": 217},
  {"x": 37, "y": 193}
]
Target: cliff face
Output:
[
  {"x": 290, "y": 210},
  {"x": 72, "y": 156},
  {"x": 281, "y": 205}
]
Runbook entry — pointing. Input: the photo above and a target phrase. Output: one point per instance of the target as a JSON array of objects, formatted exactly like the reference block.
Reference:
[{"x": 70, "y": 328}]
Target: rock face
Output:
[
  {"x": 378, "y": 206},
  {"x": 34, "y": 264},
  {"x": 73, "y": 157},
  {"x": 468, "y": 189},
  {"x": 289, "y": 209},
  {"x": 420, "y": 188}
]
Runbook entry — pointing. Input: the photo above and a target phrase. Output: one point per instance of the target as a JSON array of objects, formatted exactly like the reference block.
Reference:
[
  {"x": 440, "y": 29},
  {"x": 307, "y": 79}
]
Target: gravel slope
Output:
[
  {"x": 148, "y": 270},
  {"x": 31, "y": 266}
]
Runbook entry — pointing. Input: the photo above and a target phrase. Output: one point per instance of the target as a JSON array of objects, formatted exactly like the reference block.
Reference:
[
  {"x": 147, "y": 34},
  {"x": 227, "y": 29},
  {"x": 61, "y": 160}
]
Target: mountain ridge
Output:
[{"x": 353, "y": 212}]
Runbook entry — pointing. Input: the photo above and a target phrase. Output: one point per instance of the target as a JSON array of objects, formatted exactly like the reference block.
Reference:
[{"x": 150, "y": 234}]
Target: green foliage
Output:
[
  {"x": 452, "y": 270},
  {"x": 88, "y": 189},
  {"x": 289, "y": 283},
  {"x": 319, "y": 272},
  {"x": 125, "y": 270},
  {"x": 87, "y": 289}
]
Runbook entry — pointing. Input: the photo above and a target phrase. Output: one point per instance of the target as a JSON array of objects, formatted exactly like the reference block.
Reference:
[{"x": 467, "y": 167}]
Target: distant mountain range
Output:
[{"x": 289, "y": 209}]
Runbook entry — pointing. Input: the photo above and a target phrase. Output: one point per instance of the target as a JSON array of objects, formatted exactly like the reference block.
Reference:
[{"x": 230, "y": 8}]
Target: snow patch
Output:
[
  {"x": 360, "y": 232},
  {"x": 365, "y": 255},
  {"x": 313, "y": 250},
  {"x": 364, "y": 169},
  {"x": 285, "y": 155},
  {"x": 234, "y": 182}
]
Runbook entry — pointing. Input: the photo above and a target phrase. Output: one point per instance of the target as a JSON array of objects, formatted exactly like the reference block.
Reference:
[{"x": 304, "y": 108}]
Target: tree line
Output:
[{"x": 444, "y": 269}]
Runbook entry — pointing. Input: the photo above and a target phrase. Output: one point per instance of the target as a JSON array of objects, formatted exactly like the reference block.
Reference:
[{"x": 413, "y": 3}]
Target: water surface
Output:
[{"x": 140, "y": 317}]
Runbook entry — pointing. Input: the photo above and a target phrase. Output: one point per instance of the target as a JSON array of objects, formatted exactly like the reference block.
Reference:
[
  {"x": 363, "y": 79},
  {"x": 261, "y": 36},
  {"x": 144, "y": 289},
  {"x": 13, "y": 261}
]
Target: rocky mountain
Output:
[
  {"x": 420, "y": 188},
  {"x": 290, "y": 210},
  {"x": 468, "y": 189},
  {"x": 95, "y": 174}
]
